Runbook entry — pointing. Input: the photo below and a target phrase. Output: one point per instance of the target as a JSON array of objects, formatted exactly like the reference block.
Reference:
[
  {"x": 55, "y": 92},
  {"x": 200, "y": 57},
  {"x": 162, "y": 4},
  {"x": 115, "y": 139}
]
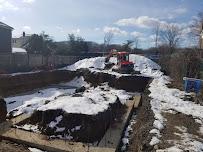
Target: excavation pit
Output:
[
  {"x": 104, "y": 129},
  {"x": 108, "y": 143}
]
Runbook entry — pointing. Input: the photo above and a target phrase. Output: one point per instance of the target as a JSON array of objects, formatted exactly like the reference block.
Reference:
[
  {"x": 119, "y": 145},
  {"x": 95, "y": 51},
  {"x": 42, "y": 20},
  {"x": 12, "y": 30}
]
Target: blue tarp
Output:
[{"x": 192, "y": 85}]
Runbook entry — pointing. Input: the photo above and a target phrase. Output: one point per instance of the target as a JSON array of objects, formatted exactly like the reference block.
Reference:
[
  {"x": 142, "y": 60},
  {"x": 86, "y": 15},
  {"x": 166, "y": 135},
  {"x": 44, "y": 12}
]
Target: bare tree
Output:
[
  {"x": 156, "y": 32},
  {"x": 127, "y": 45},
  {"x": 197, "y": 23},
  {"x": 171, "y": 35},
  {"x": 107, "y": 40},
  {"x": 197, "y": 29}
]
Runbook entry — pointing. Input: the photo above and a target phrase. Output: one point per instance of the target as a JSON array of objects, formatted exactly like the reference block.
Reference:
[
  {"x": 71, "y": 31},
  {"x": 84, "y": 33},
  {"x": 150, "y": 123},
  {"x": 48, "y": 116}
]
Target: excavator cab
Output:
[
  {"x": 122, "y": 57},
  {"x": 124, "y": 65}
]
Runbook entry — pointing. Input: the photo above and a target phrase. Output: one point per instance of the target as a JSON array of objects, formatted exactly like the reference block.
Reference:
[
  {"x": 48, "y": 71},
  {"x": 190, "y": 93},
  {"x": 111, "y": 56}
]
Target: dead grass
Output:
[{"x": 174, "y": 121}]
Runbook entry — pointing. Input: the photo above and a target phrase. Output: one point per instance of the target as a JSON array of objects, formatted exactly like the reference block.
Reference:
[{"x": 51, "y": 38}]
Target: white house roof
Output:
[{"x": 18, "y": 50}]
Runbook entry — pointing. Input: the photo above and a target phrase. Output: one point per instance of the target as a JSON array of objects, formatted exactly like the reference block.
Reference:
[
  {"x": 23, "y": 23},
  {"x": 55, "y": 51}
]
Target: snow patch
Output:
[
  {"x": 97, "y": 63},
  {"x": 141, "y": 62},
  {"x": 53, "y": 124},
  {"x": 128, "y": 132},
  {"x": 29, "y": 127},
  {"x": 60, "y": 129},
  {"x": 146, "y": 66},
  {"x": 75, "y": 129},
  {"x": 92, "y": 101},
  {"x": 28, "y": 103},
  {"x": 35, "y": 150},
  {"x": 154, "y": 141},
  {"x": 77, "y": 82},
  {"x": 166, "y": 99}
]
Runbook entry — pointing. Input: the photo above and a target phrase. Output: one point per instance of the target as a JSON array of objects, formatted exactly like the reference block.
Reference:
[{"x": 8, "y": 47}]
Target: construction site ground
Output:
[{"x": 24, "y": 139}]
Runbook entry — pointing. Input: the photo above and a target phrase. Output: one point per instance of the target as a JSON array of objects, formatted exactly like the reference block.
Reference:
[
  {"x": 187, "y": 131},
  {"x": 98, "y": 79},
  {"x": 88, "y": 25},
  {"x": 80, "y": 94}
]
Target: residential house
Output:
[
  {"x": 21, "y": 41},
  {"x": 5, "y": 38}
]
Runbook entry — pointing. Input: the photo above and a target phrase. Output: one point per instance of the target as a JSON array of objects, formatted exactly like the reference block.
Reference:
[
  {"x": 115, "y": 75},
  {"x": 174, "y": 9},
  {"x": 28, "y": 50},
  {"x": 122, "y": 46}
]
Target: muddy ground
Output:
[
  {"x": 7, "y": 146},
  {"x": 140, "y": 138},
  {"x": 174, "y": 120}
]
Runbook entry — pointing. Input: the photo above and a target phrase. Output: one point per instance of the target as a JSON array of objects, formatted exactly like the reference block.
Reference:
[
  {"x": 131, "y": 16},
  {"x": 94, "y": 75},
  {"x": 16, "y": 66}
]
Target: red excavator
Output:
[{"x": 123, "y": 63}]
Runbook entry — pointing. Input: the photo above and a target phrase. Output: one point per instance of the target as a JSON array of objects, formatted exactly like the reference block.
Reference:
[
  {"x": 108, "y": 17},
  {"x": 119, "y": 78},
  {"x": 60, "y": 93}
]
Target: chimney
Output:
[{"x": 23, "y": 34}]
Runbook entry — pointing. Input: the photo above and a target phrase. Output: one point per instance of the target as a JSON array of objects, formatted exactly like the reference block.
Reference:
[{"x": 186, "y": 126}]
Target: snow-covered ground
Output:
[
  {"x": 95, "y": 63},
  {"x": 30, "y": 102},
  {"x": 142, "y": 64},
  {"x": 35, "y": 150},
  {"x": 170, "y": 100},
  {"x": 92, "y": 101}
]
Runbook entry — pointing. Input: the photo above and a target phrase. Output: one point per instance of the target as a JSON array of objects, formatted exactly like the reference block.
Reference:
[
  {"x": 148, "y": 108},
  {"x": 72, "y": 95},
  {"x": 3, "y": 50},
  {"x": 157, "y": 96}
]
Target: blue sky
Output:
[{"x": 92, "y": 18}]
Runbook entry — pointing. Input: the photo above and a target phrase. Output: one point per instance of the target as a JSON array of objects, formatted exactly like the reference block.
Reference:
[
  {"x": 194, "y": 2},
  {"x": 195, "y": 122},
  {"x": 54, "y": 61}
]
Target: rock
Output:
[
  {"x": 3, "y": 110},
  {"x": 82, "y": 89}
]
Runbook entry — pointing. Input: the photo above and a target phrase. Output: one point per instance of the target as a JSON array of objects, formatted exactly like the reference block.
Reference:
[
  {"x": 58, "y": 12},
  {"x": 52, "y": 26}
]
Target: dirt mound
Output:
[
  {"x": 80, "y": 127},
  {"x": 129, "y": 83},
  {"x": 3, "y": 110}
]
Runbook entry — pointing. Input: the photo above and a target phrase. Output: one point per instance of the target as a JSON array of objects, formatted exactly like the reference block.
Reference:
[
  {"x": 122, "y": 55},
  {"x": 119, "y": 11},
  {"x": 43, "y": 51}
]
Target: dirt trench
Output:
[
  {"x": 129, "y": 83},
  {"x": 11, "y": 85},
  {"x": 141, "y": 137}
]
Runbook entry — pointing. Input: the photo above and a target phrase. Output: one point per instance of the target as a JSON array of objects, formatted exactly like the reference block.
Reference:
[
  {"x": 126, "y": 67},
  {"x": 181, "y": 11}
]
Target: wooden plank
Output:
[{"x": 41, "y": 142}]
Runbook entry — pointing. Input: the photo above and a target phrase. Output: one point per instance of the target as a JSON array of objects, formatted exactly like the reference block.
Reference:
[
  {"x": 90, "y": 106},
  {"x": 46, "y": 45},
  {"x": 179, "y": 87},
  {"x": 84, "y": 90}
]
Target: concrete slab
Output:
[{"x": 109, "y": 142}]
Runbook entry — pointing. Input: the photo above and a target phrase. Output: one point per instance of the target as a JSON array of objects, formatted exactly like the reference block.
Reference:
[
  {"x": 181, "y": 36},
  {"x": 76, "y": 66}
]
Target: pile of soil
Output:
[
  {"x": 129, "y": 83},
  {"x": 145, "y": 117},
  {"x": 92, "y": 129}
]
